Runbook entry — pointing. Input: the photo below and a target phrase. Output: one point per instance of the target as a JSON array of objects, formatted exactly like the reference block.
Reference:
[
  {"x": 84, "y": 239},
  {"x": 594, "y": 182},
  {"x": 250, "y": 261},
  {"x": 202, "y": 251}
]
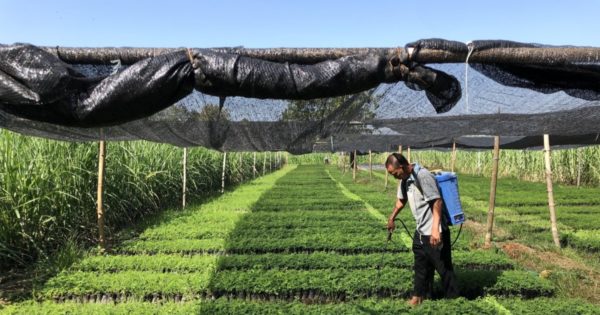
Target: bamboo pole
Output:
[
  {"x": 545, "y": 56},
  {"x": 354, "y": 167},
  {"x": 100, "y": 208},
  {"x": 386, "y": 175},
  {"x": 264, "y": 169},
  {"x": 223, "y": 174},
  {"x": 453, "y": 157},
  {"x": 408, "y": 154},
  {"x": 254, "y": 166},
  {"x": 548, "y": 162},
  {"x": 370, "y": 165},
  {"x": 492, "y": 204},
  {"x": 578, "y": 167},
  {"x": 478, "y": 162},
  {"x": 241, "y": 167},
  {"x": 270, "y": 163},
  {"x": 399, "y": 151},
  {"x": 184, "y": 188}
]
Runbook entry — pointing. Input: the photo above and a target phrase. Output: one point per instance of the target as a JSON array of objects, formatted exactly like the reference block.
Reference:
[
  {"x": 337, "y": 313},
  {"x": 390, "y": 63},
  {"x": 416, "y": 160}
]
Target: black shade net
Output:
[{"x": 428, "y": 94}]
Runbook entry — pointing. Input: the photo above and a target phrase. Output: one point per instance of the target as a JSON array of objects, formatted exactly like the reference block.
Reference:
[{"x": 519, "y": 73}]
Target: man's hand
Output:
[
  {"x": 391, "y": 226},
  {"x": 434, "y": 239}
]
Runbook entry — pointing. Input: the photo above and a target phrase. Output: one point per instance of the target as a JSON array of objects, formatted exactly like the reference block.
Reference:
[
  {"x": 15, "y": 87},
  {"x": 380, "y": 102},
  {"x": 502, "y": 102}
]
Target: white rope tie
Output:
[{"x": 470, "y": 45}]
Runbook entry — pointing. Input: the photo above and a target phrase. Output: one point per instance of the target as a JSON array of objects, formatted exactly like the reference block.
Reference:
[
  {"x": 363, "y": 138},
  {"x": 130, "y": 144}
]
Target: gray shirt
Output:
[{"x": 420, "y": 196}]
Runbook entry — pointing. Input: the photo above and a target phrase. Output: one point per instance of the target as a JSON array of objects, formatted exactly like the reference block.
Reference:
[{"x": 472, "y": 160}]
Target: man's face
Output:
[{"x": 398, "y": 173}]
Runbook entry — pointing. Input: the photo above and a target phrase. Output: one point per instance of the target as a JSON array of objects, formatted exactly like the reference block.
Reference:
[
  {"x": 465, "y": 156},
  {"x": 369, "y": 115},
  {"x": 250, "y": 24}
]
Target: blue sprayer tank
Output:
[{"x": 448, "y": 185}]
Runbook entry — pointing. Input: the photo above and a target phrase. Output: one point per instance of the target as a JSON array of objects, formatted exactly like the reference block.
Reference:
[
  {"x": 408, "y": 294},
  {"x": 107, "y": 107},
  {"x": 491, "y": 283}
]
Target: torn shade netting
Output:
[{"x": 425, "y": 95}]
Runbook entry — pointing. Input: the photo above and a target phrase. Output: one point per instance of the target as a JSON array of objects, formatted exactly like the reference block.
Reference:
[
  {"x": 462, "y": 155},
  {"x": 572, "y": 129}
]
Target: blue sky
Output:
[{"x": 308, "y": 23}]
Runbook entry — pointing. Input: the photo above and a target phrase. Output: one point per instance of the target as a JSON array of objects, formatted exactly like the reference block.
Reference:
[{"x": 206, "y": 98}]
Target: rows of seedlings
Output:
[
  {"x": 523, "y": 211},
  {"x": 306, "y": 240},
  {"x": 476, "y": 279},
  {"x": 173, "y": 260},
  {"x": 315, "y": 252},
  {"x": 483, "y": 306}
]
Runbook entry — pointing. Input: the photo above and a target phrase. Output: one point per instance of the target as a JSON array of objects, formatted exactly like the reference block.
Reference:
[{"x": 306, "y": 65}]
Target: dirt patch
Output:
[
  {"x": 542, "y": 259},
  {"x": 573, "y": 277}
]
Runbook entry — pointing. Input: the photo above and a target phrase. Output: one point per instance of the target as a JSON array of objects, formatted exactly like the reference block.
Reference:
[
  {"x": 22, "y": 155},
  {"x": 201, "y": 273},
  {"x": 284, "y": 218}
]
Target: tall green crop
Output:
[{"x": 48, "y": 188}]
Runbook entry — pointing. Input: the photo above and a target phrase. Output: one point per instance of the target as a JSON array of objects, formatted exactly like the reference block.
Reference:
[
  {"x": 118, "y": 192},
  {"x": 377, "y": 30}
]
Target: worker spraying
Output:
[{"x": 431, "y": 240}]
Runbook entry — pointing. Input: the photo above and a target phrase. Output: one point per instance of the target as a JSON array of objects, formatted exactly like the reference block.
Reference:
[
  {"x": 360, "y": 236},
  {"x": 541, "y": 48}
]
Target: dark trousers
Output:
[{"x": 428, "y": 259}]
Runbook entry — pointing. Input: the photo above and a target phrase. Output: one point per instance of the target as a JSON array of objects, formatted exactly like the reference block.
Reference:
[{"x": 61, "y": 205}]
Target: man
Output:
[{"x": 431, "y": 241}]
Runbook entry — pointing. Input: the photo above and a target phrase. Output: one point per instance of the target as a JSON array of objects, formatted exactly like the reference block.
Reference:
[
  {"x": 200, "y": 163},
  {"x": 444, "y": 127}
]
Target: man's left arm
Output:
[{"x": 435, "y": 238}]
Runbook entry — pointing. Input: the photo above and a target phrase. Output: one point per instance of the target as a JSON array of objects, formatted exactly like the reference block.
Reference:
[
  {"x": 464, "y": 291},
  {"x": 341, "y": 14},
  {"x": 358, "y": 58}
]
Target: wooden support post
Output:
[
  {"x": 578, "y": 167},
  {"x": 354, "y": 166},
  {"x": 478, "y": 162},
  {"x": 264, "y": 169},
  {"x": 344, "y": 162},
  {"x": 408, "y": 154},
  {"x": 386, "y": 174},
  {"x": 453, "y": 156},
  {"x": 100, "y": 208},
  {"x": 370, "y": 165},
  {"x": 548, "y": 161},
  {"x": 492, "y": 203},
  {"x": 184, "y": 186},
  {"x": 399, "y": 151},
  {"x": 241, "y": 167},
  {"x": 254, "y": 166},
  {"x": 223, "y": 175},
  {"x": 270, "y": 163}
]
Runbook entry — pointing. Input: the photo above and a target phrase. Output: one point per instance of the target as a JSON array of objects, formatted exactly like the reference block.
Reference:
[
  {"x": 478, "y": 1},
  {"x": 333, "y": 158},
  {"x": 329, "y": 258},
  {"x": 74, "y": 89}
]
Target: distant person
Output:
[{"x": 431, "y": 240}]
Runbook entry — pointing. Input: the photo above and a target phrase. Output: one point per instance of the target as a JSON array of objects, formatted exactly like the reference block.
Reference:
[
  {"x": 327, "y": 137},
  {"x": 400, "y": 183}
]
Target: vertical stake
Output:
[
  {"x": 370, "y": 165},
  {"x": 478, "y": 162},
  {"x": 184, "y": 177},
  {"x": 578, "y": 167},
  {"x": 408, "y": 154},
  {"x": 223, "y": 175},
  {"x": 453, "y": 156},
  {"x": 548, "y": 162},
  {"x": 264, "y": 168},
  {"x": 100, "y": 208},
  {"x": 254, "y": 165},
  {"x": 241, "y": 167},
  {"x": 492, "y": 203},
  {"x": 386, "y": 175},
  {"x": 354, "y": 166}
]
